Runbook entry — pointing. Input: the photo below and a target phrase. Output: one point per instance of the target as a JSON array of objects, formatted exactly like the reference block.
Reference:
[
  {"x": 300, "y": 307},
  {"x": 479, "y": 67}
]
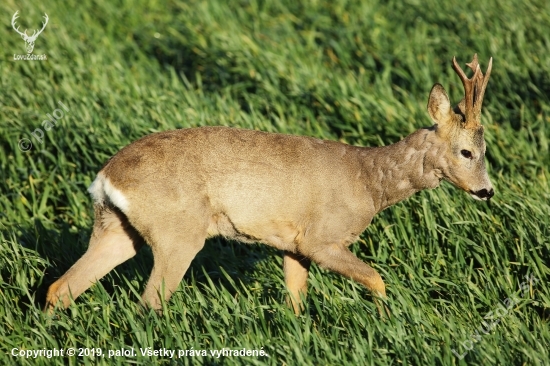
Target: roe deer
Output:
[{"x": 307, "y": 197}]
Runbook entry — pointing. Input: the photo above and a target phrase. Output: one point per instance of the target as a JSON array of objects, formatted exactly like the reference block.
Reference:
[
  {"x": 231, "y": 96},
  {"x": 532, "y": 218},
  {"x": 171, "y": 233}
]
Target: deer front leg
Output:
[
  {"x": 296, "y": 268},
  {"x": 339, "y": 259}
]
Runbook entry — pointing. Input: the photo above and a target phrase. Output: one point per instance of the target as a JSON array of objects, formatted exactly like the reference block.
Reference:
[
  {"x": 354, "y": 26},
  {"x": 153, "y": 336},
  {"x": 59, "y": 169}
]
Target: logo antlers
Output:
[{"x": 29, "y": 40}]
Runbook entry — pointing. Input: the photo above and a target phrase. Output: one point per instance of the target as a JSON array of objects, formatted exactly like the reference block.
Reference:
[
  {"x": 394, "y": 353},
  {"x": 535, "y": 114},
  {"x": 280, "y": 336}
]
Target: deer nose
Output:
[{"x": 483, "y": 193}]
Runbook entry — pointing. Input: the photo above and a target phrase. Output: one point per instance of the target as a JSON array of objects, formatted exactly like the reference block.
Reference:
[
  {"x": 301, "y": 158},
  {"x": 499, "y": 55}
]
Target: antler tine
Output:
[
  {"x": 459, "y": 70},
  {"x": 481, "y": 92},
  {"x": 43, "y": 26},
  {"x": 13, "y": 20},
  {"x": 46, "y": 18},
  {"x": 474, "y": 64},
  {"x": 468, "y": 91}
]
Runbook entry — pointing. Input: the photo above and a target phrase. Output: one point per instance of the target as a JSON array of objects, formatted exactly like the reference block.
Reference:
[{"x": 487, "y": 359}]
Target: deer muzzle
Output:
[{"x": 483, "y": 194}]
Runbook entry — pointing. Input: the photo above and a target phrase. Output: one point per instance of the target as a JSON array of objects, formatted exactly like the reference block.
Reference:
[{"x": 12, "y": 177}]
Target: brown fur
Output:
[{"x": 308, "y": 197}]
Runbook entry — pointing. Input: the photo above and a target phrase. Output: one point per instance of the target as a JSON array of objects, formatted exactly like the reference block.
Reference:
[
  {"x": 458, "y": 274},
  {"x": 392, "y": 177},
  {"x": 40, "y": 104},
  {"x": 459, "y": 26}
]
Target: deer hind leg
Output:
[
  {"x": 296, "y": 268},
  {"x": 339, "y": 259},
  {"x": 113, "y": 241},
  {"x": 174, "y": 243}
]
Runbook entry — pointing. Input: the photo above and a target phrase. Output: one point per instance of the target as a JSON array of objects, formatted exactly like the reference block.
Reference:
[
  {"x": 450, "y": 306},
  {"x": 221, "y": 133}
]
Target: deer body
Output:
[{"x": 308, "y": 197}]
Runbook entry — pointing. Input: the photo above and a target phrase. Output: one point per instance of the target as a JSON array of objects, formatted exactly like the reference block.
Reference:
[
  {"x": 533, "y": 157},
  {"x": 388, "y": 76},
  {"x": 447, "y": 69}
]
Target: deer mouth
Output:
[{"x": 482, "y": 194}]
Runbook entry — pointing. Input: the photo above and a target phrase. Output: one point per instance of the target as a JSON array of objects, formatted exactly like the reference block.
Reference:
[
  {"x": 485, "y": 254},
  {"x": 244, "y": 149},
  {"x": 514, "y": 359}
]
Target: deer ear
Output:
[{"x": 439, "y": 106}]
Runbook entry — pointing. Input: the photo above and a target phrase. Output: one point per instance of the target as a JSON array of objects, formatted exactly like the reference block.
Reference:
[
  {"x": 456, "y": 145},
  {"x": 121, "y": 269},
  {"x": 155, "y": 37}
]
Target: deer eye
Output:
[{"x": 466, "y": 153}]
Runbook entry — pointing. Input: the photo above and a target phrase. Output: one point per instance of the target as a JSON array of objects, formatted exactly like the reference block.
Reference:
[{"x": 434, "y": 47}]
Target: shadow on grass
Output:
[{"x": 63, "y": 248}]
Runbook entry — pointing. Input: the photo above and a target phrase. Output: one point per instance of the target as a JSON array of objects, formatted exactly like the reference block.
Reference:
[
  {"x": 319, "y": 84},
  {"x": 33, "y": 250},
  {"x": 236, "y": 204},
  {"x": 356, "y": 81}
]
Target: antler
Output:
[
  {"x": 25, "y": 36},
  {"x": 474, "y": 89},
  {"x": 13, "y": 19},
  {"x": 34, "y": 34},
  {"x": 43, "y": 24}
]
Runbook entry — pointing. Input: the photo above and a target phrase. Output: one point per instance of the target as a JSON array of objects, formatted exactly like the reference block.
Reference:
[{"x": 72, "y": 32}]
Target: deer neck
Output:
[{"x": 399, "y": 170}]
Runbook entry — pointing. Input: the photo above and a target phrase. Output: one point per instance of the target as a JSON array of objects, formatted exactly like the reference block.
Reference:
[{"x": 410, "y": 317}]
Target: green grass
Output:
[{"x": 355, "y": 71}]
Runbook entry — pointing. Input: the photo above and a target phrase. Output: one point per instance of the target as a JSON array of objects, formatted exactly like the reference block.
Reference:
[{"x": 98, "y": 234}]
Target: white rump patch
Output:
[{"x": 102, "y": 189}]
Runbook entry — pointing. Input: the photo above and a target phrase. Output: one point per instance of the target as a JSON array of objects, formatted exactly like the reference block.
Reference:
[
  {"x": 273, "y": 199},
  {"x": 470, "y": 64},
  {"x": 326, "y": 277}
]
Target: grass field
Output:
[{"x": 347, "y": 70}]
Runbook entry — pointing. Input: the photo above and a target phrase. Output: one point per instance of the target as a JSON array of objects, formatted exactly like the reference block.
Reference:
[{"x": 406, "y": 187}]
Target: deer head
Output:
[
  {"x": 29, "y": 40},
  {"x": 459, "y": 129}
]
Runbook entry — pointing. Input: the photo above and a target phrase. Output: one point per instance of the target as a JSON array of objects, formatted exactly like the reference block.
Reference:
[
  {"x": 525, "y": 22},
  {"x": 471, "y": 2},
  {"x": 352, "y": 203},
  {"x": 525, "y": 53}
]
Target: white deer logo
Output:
[{"x": 29, "y": 40}]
